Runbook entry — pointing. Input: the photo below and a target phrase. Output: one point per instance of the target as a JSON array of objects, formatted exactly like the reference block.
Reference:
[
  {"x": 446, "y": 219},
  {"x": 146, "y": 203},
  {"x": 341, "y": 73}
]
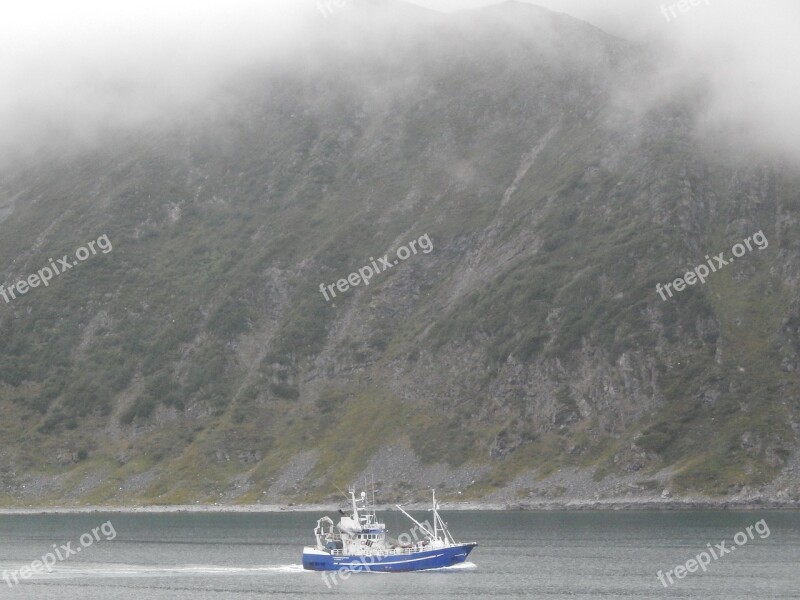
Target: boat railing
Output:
[{"x": 386, "y": 552}]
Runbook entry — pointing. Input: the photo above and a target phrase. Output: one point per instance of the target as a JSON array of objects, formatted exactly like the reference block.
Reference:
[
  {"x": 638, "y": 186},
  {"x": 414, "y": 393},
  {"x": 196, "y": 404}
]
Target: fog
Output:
[
  {"x": 70, "y": 69},
  {"x": 747, "y": 53}
]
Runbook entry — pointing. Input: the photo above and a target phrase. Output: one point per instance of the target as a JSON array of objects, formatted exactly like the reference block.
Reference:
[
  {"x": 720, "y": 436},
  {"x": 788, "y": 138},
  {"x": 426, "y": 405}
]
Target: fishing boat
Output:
[{"x": 360, "y": 542}]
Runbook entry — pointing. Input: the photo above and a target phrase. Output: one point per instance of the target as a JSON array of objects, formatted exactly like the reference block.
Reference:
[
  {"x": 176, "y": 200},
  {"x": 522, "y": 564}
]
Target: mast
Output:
[
  {"x": 435, "y": 516},
  {"x": 355, "y": 507},
  {"x": 438, "y": 522}
]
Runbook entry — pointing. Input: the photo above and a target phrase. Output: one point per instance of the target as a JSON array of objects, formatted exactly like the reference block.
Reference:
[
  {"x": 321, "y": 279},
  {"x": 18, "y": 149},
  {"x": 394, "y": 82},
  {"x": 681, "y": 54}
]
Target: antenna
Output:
[{"x": 435, "y": 516}]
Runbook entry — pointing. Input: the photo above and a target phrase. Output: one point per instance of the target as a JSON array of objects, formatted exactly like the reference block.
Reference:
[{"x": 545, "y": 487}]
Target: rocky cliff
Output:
[{"x": 526, "y": 355}]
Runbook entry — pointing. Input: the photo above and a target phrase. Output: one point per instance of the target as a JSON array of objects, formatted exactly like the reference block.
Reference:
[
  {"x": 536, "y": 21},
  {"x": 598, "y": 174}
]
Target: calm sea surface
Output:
[{"x": 550, "y": 555}]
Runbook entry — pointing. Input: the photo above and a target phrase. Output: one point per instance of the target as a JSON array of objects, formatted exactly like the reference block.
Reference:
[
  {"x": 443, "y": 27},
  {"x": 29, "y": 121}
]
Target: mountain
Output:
[{"x": 521, "y": 353}]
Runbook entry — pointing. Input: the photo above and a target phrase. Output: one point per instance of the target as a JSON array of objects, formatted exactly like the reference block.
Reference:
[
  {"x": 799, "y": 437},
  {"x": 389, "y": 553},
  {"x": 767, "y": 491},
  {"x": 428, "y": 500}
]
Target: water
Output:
[{"x": 549, "y": 555}]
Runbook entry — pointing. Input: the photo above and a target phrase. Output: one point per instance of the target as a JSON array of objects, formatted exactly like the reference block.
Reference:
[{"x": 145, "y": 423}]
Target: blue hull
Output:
[{"x": 414, "y": 561}]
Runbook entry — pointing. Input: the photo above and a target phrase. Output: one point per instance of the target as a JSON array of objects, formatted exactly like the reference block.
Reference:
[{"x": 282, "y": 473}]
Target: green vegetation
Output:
[{"x": 198, "y": 359}]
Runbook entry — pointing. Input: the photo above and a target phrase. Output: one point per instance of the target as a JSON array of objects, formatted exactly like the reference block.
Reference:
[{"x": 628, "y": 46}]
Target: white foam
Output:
[
  {"x": 465, "y": 566},
  {"x": 129, "y": 570}
]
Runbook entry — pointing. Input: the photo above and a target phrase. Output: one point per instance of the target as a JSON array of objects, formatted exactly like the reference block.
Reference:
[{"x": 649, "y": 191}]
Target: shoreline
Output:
[{"x": 544, "y": 506}]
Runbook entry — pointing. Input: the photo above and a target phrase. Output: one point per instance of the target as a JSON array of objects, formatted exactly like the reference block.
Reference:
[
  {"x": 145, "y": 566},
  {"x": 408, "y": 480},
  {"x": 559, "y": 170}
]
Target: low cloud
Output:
[{"x": 69, "y": 70}]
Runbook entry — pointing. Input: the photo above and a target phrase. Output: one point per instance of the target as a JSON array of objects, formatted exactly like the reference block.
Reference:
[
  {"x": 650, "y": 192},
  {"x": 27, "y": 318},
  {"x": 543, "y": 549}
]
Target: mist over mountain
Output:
[{"x": 560, "y": 174}]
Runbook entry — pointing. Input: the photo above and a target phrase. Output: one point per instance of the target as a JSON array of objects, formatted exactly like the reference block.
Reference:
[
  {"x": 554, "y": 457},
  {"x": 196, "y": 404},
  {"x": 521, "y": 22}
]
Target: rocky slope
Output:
[{"x": 526, "y": 356}]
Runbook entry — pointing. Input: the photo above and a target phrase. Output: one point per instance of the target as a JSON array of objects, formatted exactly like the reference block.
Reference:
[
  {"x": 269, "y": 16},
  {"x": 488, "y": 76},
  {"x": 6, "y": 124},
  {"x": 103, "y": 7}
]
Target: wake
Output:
[{"x": 112, "y": 571}]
